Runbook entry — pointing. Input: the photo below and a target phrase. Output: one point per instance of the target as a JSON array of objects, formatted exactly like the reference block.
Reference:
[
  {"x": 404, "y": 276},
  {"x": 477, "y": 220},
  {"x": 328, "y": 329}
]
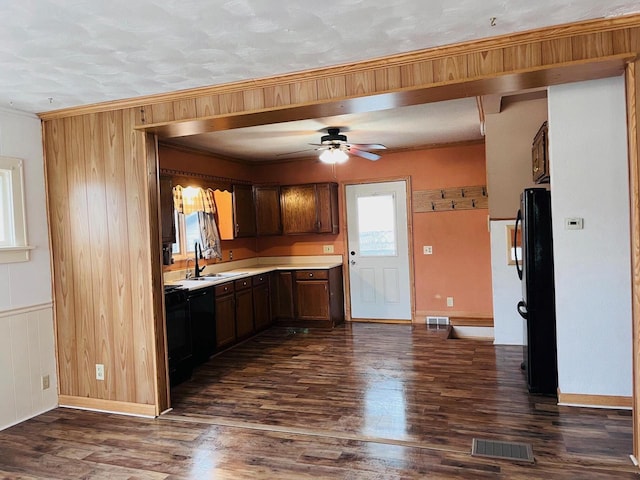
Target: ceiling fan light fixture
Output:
[{"x": 333, "y": 155}]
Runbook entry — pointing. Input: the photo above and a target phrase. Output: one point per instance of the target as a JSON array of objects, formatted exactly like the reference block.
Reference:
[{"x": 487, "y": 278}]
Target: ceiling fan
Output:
[{"x": 335, "y": 147}]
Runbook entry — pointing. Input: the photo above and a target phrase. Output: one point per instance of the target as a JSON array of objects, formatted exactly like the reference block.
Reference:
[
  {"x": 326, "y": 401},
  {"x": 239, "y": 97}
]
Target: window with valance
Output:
[{"x": 195, "y": 211}]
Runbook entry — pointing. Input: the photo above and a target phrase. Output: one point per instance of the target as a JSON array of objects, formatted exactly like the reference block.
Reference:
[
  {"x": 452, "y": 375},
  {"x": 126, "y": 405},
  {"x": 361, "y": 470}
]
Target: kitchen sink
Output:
[
  {"x": 224, "y": 274},
  {"x": 213, "y": 276}
]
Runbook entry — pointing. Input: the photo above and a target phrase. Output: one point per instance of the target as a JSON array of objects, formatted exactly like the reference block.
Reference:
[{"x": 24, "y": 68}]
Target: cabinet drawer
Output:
[
  {"x": 242, "y": 283},
  {"x": 260, "y": 279},
  {"x": 224, "y": 289},
  {"x": 312, "y": 274}
]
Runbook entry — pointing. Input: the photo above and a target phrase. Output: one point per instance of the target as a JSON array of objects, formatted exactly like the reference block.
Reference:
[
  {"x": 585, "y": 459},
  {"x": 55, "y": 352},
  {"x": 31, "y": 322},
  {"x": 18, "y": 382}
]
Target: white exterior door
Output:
[{"x": 378, "y": 256}]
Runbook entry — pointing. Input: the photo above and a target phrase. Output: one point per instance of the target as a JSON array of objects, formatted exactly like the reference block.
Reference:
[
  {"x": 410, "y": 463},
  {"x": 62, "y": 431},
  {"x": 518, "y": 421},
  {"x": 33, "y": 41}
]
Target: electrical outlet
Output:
[
  {"x": 427, "y": 250},
  {"x": 230, "y": 254},
  {"x": 45, "y": 382},
  {"x": 449, "y": 301},
  {"x": 99, "y": 371},
  {"x": 327, "y": 249}
]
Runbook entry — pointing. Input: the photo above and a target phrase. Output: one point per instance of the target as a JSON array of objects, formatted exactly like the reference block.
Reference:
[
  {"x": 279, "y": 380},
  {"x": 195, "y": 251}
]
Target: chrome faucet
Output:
[{"x": 196, "y": 268}]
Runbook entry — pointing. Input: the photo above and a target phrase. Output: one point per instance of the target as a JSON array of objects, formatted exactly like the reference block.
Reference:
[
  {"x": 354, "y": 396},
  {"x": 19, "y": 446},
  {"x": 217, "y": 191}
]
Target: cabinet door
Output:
[
  {"x": 540, "y": 156},
  {"x": 327, "y": 195},
  {"x": 282, "y": 295},
  {"x": 267, "y": 200},
  {"x": 244, "y": 313},
  {"x": 299, "y": 212},
  {"x": 225, "y": 320},
  {"x": 244, "y": 214},
  {"x": 166, "y": 210},
  {"x": 261, "y": 306},
  {"x": 312, "y": 300}
]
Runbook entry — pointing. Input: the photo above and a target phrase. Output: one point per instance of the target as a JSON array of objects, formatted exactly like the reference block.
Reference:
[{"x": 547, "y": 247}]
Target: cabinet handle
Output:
[{"x": 311, "y": 274}]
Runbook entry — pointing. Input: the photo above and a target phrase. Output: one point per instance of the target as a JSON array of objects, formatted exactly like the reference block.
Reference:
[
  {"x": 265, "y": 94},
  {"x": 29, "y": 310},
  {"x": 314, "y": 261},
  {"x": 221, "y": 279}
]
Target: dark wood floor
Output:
[{"x": 364, "y": 401}]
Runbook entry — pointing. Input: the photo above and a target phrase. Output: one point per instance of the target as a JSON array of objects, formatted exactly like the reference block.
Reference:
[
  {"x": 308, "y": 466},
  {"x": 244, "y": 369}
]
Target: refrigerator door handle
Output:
[
  {"x": 522, "y": 309},
  {"x": 515, "y": 248}
]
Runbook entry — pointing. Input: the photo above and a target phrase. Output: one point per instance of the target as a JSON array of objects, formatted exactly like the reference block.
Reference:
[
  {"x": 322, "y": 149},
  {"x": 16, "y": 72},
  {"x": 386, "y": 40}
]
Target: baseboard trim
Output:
[
  {"x": 597, "y": 401},
  {"x": 31, "y": 415},
  {"x": 108, "y": 406}
]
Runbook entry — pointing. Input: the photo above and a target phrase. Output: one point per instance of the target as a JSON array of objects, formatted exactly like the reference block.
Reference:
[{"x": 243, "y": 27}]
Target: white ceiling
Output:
[{"x": 59, "y": 53}]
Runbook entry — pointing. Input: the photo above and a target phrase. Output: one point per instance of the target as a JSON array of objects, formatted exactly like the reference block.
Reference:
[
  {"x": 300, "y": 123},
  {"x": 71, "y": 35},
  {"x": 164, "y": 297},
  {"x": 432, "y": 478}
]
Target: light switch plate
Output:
[{"x": 575, "y": 223}]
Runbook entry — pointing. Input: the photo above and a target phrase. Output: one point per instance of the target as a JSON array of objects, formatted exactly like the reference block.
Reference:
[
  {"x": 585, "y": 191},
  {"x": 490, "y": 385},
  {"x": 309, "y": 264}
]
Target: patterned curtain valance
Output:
[
  {"x": 190, "y": 179},
  {"x": 193, "y": 199}
]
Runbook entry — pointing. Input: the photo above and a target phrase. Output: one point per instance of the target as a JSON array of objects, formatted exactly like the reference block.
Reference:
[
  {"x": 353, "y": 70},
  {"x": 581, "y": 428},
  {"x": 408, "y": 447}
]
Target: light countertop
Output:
[{"x": 222, "y": 276}]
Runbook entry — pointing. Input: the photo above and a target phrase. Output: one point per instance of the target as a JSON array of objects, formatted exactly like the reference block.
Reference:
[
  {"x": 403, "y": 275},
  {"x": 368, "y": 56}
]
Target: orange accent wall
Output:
[{"x": 460, "y": 266}]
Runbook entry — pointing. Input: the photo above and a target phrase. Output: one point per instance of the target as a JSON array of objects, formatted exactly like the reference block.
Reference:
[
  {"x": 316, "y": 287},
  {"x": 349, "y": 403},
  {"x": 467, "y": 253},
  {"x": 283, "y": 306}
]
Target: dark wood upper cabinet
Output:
[
  {"x": 166, "y": 210},
  {"x": 244, "y": 213},
  {"x": 540, "y": 155},
  {"x": 327, "y": 195},
  {"x": 311, "y": 208},
  {"x": 267, "y": 201}
]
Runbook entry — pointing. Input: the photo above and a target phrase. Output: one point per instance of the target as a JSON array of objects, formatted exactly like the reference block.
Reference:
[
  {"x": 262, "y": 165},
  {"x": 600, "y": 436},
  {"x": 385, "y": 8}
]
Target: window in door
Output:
[{"x": 376, "y": 226}]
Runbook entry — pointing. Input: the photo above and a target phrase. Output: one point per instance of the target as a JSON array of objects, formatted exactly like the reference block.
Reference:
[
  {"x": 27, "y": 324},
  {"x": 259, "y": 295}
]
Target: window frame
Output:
[
  {"x": 181, "y": 234},
  {"x": 16, "y": 249}
]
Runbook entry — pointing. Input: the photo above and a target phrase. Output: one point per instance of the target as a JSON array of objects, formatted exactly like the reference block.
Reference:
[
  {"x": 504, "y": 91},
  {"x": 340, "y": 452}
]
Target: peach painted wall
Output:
[{"x": 460, "y": 266}]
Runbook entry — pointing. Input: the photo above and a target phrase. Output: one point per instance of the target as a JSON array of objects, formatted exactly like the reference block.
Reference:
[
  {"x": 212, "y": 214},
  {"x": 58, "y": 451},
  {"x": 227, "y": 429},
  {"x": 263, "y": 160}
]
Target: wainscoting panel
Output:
[{"x": 27, "y": 353}]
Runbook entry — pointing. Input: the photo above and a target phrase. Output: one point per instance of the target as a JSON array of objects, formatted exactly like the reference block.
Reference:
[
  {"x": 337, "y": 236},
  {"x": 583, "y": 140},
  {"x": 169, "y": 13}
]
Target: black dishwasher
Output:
[
  {"x": 179, "y": 334},
  {"x": 202, "y": 308}
]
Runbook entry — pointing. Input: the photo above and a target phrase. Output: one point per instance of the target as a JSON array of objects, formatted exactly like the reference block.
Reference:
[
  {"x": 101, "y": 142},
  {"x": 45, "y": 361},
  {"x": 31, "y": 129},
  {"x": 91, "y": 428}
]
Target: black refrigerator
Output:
[{"x": 537, "y": 307}]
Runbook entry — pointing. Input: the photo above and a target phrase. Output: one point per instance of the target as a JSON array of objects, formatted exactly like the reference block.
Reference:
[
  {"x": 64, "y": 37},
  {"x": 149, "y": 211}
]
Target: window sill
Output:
[{"x": 15, "y": 254}]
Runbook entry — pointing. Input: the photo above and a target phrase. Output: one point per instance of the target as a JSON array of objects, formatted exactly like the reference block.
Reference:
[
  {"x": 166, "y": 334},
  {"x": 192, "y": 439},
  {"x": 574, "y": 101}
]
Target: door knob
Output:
[{"x": 353, "y": 262}]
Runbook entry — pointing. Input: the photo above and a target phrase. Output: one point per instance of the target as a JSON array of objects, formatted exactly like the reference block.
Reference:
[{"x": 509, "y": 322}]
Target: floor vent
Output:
[
  {"x": 521, "y": 452},
  {"x": 437, "y": 320}
]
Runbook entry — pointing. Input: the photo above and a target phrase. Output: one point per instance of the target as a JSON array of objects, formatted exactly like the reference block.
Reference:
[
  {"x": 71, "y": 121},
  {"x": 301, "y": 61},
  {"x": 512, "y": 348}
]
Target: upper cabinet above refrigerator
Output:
[{"x": 540, "y": 155}]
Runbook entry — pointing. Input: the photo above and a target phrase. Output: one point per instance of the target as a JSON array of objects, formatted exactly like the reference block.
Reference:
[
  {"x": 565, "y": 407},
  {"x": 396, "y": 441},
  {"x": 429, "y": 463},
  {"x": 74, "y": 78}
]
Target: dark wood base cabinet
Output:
[
  {"x": 225, "y": 315},
  {"x": 309, "y": 298},
  {"x": 244, "y": 308},
  {"x": 261, "y": 302}
]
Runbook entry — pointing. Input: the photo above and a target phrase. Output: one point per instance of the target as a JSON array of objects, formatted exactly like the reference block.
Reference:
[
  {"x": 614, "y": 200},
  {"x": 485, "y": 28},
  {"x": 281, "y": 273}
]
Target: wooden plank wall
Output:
[
  {"x": 633, "y": 117},
  {"x": 98, "y": 184},
  {"x": 102, "y": 186}
]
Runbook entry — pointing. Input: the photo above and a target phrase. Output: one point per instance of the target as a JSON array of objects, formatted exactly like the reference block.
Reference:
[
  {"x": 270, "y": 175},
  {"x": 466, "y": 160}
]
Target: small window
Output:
[{"x": 13, "y": 229}]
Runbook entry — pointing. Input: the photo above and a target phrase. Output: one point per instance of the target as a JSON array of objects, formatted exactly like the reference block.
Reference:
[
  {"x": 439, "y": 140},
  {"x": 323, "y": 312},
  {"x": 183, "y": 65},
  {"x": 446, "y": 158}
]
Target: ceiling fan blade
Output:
[
  {"x": 368, "y": 146},
  {"x": 298, "y": 151},
  {"x": 363, "y": 154}
]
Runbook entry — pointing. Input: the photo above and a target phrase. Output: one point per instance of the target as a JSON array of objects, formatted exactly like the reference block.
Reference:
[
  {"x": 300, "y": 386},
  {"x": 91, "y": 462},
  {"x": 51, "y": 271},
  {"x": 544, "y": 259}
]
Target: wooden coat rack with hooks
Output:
[{"x": 450, "y": 199}]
